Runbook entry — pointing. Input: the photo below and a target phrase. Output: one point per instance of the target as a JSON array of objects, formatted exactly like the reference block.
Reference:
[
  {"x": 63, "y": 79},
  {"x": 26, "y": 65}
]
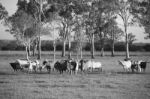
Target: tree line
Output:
[
  {"x": 76, "y": 21},
  {"x": 13, "y": 45}
]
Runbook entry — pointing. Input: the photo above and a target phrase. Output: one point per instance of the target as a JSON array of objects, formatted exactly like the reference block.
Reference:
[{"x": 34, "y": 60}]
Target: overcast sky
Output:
[{"x": 10, "y": 6}]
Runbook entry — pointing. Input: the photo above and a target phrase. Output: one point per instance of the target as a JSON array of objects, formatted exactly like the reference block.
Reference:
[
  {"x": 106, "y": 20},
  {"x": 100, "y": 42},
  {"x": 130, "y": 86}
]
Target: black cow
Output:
[
  {"x": 143, "y": 66},
  {"x": 16, "y": 66},
  {"x": 61, "y": 66},
  {"x": 139, "y": 66}
]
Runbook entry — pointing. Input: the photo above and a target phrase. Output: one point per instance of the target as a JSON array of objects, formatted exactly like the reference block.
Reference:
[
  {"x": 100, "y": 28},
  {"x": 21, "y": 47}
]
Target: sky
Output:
[{"x": 11, "y": 7}]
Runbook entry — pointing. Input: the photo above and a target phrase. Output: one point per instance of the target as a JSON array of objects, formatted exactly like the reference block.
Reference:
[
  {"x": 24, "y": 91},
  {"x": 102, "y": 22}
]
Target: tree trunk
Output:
[
  {"x": 54, "y": 45},
  {"x": 112, "y": 49},
  {"x": 69, "y": 52},
  {"x": 78, "y": 54},
  {"x": 27, "y": 56},
  {"x": 127, "y": 45},
  {"x": 81, "y": 54},
  {"x": 34, "y": 47},
  {"x": 64, "y": 49},
  {"x": 92, "y": 46},
  {"x": 113, "y": 45},
  {"x": 102, "y": 48},
  {"x": 39, "y": 48},
  {"x": 102, "y": 51},
  {"x": 29, "y": 50},
  {"x": 39, "y": 36}
]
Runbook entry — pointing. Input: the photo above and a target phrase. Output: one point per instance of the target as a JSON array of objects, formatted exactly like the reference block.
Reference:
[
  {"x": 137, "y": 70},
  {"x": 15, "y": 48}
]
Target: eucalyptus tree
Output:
[
  {"x": 89, "y": 24},
  {"x": 22, "y": 27},
  {"x": 67, "y": 9},
  {"x": 37, "y": 9},
  {"x": 123, "y": 9},
  {"x": 114, "y": 34},
  {"x": 141, "y": 12},
  {"x": 103, "y": 12},
  {"x": 79, "y": 35}
]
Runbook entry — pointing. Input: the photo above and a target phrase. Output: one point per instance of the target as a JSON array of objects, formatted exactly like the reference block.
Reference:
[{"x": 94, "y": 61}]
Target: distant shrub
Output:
[
  {"x": 136, "y": 48},
  {"x": 147, "y": 47}
]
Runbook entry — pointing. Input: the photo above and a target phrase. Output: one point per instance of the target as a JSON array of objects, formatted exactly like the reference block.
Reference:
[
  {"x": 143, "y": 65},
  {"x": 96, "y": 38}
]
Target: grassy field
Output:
[{"x": 112, "y": 83}]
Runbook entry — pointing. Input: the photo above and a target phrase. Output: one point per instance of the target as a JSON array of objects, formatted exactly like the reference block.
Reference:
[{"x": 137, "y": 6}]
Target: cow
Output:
[
  {"x": 134, "y": 66},
  {"x": 72, "y": 66},
  {"x": 142, "y": 65},
  {"x": 81, "y": 64},
  {"x": 24, "y": 63},
  {"x": 48, "y": 65},
  {"x": 88, "y": 64},
  {"x": 126, "y": 64},
  {"x": 61, "y": 66},
  {"x": 28, "y": 64},
  {"x": 16, "y": 66},
  {"x": 33, "y": 65}
]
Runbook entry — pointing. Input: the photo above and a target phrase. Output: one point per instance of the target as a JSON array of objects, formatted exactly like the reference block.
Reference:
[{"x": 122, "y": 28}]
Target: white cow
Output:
[
  {"x": 34, "y": 65},
  {"x": 92, "y": 65},
  {"x": 24, "y": 63},
  {"x": 125, "y": 64}
]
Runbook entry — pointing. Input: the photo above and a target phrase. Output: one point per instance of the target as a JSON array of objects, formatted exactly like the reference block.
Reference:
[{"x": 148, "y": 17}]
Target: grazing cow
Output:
[
  {"x": 48, "y": 65},
  {"x": 73, "y": 66},
  {"x": 16, "y": 66},
  {"x": 34, "y": 65},
  {"x": 61, "y": 66},
  {"x": 125, "y": 64},
  {"x": 142, "y": 65},
  {"x": 85, "y": 65}
]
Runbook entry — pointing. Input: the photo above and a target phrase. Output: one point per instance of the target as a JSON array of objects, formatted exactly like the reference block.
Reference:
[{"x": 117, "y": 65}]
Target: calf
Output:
[{"x": 125, "y": 64}]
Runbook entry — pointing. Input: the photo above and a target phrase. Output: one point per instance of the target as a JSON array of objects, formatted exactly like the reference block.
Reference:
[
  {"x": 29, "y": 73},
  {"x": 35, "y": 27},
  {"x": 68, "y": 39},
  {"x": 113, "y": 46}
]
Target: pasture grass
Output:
[{"x": 111, "y": 83}]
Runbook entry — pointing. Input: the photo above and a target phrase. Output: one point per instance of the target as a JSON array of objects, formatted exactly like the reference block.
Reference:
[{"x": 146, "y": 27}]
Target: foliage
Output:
[
  {"x": 3, "y": 12},
  {"x": 22, "y": 27},
  {"x": 131, "y": 38},
  {"x": 141, "y": 12}
]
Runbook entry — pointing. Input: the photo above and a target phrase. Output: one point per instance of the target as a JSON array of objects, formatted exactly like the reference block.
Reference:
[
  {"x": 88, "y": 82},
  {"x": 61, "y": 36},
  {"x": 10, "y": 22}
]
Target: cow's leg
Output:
[{"x": 139, "y": 68}]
